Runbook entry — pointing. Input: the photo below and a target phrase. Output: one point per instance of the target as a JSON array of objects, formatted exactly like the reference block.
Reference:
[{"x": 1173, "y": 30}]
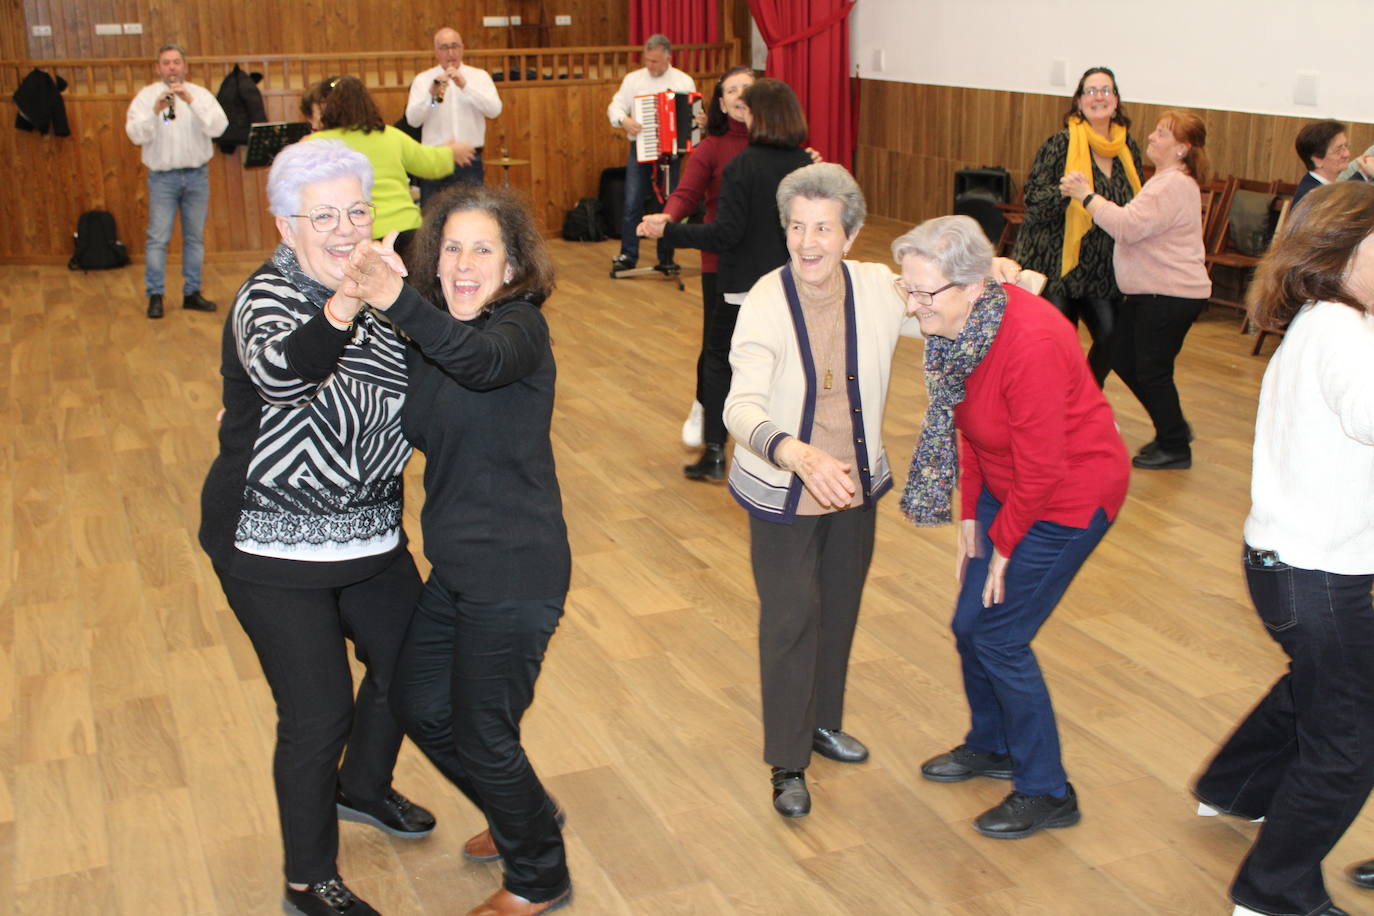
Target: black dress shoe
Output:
[
  {"x": 155, "y": 305},
  {"x": 395, "y": 814},
  {"x": 621, "y": 262},
  {"x": 1153, "y": 444},
  {"x": 1159, "y": 460},
  {"x": 668, "y": 268},
  {"x": 837, "y": 745},
  {"x": 965, "y": 762},
  {"x": 791, "y": 797},
  {"x": 711, "y": 465},
  {"x": 1020, "y": 815},
  {"x": 1362, "y": 875},
  {"x": 326, "y": 898},
  {"x": 197, "y": 303}
]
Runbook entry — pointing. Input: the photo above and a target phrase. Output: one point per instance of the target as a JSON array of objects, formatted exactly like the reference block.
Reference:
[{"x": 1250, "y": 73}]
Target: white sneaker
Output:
[
  {"x": 1206, "y": 810},
  {"x": 692, "y": 429},
  {"x": 1242, "y": 911}
]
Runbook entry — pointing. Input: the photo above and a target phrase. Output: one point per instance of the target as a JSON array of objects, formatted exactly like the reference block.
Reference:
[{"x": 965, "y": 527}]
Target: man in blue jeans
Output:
[
  {"x": 657, "y": 75},
  {"x": 174, "y": 121}
]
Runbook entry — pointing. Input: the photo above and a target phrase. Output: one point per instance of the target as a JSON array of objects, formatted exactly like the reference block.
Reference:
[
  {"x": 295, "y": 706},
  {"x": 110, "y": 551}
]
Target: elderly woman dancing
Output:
[
  {"x": 1303, "y": 758},
  {"x": 1042, "y": 474},
  {"x": 301, "y": 516},
  {"x": 479, "y": 407}
]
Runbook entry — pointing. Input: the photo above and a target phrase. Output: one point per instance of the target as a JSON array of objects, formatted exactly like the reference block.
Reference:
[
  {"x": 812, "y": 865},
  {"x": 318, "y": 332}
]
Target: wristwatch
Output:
[{"x": 1088, "y": 199}]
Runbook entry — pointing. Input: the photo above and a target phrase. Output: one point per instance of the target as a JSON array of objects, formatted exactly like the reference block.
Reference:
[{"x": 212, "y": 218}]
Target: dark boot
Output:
[{"x": 711, "y": 466}]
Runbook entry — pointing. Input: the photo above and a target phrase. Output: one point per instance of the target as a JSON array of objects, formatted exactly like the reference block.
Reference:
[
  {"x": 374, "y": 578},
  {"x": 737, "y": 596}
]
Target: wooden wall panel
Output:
[
  {"x": 216, "y": 27},
  {"x": 559, "y": 125},
  {"x": 913, "y": 137}
]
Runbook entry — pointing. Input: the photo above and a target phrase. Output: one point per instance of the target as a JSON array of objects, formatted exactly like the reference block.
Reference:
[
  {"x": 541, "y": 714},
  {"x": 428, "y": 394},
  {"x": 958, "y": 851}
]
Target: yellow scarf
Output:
[{"x": 1083, "y": 142}]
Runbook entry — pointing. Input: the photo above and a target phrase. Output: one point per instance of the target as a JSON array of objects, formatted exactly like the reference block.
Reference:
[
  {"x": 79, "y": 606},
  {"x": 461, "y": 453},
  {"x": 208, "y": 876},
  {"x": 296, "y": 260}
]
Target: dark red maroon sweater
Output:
[{"x": 701, "y": 180}]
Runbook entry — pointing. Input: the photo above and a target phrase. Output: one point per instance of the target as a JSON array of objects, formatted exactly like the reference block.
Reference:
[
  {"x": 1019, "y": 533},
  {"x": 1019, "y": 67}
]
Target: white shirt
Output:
[
  {"x": 182, "y": 142},
  {"x": 463, "y": 113},
  {"x": 1312, "y": 483},
  {"x": 642, "y": 82}
]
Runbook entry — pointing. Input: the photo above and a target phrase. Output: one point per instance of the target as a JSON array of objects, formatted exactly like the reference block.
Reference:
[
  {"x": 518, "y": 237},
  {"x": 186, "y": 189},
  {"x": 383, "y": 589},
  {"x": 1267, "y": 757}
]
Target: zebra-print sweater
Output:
[{"x": 306, "y": 490}]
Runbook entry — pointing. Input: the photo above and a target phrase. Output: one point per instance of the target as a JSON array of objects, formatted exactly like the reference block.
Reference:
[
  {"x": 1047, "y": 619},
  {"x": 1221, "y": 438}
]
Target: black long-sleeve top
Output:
[
  {"x": 480, "y": 406},
  {"x": 747, "y": 231}
]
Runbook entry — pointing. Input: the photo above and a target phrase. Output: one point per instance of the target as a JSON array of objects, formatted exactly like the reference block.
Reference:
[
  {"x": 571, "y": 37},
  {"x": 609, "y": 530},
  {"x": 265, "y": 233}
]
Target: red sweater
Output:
[
  {"x": 701, "y": 179},
  {"x": 1036, "y": 430}
]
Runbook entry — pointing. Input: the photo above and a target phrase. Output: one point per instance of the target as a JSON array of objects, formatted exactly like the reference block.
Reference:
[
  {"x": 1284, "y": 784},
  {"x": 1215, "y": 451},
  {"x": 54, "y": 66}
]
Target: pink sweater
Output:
[{"x": 1158, "y": 238}]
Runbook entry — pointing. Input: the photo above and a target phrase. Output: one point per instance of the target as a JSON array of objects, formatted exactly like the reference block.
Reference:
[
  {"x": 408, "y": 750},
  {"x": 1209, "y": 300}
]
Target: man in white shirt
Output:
[
  {"x": 174, "y": 121},
  {"x": 450, "y": 102},
  {"x": 657, "y": 75}
]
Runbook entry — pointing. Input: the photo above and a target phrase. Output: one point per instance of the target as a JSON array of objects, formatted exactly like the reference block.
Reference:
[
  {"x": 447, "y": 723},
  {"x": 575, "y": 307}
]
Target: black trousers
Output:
[
  {"x": 810, "y": 579},
  {"x": 466, "y": 676},
  {"x": 299, "y": 636},
  {"x": 1304, "y": 757},
  {"x": 1148, "y": 337},
  {"x": 713, "y": 365},
  {"x": 1099, "y": 315}
]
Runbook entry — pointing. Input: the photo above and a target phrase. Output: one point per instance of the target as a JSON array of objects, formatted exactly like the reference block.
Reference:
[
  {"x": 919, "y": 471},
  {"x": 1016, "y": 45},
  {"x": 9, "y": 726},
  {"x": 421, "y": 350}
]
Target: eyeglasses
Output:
[
  {"x": 921, "y": 297},
  {"x": 326, "y": 218},
  {"x": 1104, "y": 91}
]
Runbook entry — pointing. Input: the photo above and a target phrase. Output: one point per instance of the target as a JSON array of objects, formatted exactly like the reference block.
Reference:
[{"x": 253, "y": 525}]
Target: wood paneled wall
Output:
[
  {"x": 913, "y": 137},
  {"x": 215, "y": 27},
  {"x": 559, "y": 124}
]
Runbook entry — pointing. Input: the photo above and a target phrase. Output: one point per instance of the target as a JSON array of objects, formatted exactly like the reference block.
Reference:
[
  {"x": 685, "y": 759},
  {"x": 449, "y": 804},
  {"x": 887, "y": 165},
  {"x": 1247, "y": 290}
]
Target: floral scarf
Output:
[{"x": 935, "y": 464}]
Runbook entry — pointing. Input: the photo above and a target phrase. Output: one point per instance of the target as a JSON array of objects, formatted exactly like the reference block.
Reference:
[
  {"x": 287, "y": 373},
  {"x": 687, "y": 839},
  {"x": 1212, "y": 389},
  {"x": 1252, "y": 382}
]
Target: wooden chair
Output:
[
  {"x": 1220, "y": 247},
  {"x": 1015, "y": 214},
  {"x": 1283, "y": 203}
]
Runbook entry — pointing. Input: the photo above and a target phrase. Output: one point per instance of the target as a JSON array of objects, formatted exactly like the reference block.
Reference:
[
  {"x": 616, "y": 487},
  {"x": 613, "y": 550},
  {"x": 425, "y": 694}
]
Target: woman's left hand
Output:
[
  {"x": 374, "y": 271},
  {"x": 826, "y": 477},
  {"x": 995, "y": 586},
  {"x": 1005, "y": 270},
  {"x": 1075, "y": 185},
  {"x": 650, "y": 229}
]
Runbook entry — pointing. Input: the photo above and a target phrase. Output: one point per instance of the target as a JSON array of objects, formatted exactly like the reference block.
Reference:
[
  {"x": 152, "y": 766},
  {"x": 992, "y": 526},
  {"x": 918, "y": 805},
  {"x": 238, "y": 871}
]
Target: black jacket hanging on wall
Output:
[
  {"x": 40, "y": 103},
  {"x": 242, "y": 103}
]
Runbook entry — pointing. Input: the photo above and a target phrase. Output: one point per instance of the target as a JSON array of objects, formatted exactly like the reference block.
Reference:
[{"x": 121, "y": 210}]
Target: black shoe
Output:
[
  {"x": 791, "y": 797},
  {"x": 1362, "y": 875},
  {"x": 711, "y": 465},
  {"x": 1153, "y": 444},
  {"x": 155, "y": 305},
  {"x": 1021, "y": 815},
  {"x": 621, "y": 262},
  {"x": 837, "y": 745},
  {"x": 395, "y": 814},
  {"x": 1159, "y": 460},
  {"x": 668, "y": 269},
  {"x": 325, "y": 898},
  {"x": 197, "y": 303},
  {"x": 965, "y": 762}
]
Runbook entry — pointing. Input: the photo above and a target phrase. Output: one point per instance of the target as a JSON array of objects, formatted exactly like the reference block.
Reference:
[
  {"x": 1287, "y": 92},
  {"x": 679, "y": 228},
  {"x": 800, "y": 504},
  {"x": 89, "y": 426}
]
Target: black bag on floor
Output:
[
  {"x": 97, "y": 243},
  {"x": 584, "y": 222},
  {"x": 611, "y": 192}
]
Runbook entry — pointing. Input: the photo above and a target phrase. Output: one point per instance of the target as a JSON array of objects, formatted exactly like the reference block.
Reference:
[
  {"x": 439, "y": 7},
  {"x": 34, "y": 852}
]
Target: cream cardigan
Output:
[{"x": 771, "y": 394}]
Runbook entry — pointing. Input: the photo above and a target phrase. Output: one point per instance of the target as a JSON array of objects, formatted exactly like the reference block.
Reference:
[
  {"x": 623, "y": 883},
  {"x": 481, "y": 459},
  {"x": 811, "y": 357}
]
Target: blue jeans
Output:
[
  {"x": 187, "y": 190},
  {"x": 472, "y": 173},
  {"x": 1007, "y": 697},
  {"x": 464, "y": 678},
  {"x": 1304, "y": 757},
  {"x": 638, "y": 178}
]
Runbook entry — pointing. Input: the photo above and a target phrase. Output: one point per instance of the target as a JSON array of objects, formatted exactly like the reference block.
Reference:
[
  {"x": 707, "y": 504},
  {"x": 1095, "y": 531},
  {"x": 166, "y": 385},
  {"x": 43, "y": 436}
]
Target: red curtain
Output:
[
  {"x": 685, "y": 22},
  {"x": 808, "y": 48}
]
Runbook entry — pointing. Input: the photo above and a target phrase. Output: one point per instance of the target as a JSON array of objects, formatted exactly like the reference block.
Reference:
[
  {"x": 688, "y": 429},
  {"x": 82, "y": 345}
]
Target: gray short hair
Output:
[
  {"x": 824, "y": 181},
  {"x": 658, "y": 41},
  {"x": 165, "y": 48},
  {"x": 955, "y": 244},
  {"x": 307, "y": 162}
]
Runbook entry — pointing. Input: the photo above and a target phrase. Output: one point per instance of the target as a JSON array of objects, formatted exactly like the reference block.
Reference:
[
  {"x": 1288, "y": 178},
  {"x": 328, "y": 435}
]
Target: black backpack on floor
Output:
[
  {"x": 97, "y": 243},
  {"x": 583, "y": 223}
]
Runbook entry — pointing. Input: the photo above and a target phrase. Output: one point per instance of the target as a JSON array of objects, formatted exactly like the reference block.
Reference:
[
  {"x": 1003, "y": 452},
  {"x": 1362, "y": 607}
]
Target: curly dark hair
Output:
[
  {"x": 717, "y": 121},
  {"x": 1118, "y": 118},
  {"x": 1309, "y": 257},
  {"x": 526, "y": 255},
  {"x": 351, "y": 107}
]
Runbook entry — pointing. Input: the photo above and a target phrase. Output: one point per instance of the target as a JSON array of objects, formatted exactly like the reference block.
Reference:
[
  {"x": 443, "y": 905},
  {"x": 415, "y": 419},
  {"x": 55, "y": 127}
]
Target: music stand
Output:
[
  {"x": 267, "y": 139},
  {"x": 674, "y": 271}
]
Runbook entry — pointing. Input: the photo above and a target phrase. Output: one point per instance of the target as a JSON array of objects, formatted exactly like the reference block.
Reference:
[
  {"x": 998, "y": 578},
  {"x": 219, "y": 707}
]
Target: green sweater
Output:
[{"x": 393, "y": 155}]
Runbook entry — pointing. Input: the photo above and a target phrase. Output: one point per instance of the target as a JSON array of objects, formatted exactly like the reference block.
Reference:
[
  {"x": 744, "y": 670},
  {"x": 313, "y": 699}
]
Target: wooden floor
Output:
[{"x": 136, "y": 729}]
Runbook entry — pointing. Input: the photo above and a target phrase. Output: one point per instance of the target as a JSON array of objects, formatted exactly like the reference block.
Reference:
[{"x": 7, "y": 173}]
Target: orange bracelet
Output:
[{"x": 334, "y": 317}]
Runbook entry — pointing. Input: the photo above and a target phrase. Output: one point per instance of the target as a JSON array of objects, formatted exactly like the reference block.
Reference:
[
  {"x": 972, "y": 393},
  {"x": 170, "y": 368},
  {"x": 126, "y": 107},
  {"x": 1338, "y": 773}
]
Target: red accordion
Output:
[{"x": 669, "y": 124}]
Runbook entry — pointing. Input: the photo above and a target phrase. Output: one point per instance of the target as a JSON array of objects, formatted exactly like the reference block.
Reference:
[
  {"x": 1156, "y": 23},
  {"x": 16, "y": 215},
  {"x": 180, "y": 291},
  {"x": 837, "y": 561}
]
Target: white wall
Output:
[{"x": 1236, "y": 55}]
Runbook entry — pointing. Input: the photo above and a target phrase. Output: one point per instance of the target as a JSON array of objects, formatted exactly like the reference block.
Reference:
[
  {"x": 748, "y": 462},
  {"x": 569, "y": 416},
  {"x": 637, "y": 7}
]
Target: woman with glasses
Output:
[
  {"x": 1041, "y": 474},
  {"x": 1324, "y": 148},
  {"x": 301, "y": 517},
  {"x": 1058, "y": 238},
  {"x": 351, "y": 115}
]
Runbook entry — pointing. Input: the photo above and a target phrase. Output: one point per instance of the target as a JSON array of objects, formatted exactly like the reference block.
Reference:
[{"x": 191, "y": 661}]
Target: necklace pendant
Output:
[{"x": 829, "y": 379}]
